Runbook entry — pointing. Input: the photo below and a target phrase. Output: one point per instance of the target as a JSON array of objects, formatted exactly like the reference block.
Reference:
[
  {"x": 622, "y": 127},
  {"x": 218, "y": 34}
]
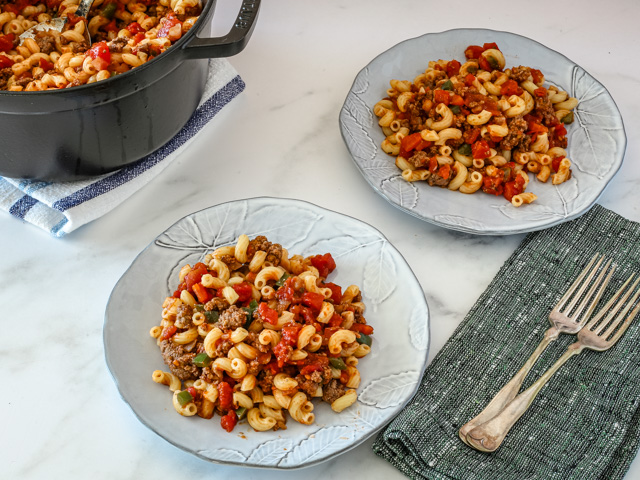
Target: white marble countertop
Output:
[{"x": 62, "y": 416}]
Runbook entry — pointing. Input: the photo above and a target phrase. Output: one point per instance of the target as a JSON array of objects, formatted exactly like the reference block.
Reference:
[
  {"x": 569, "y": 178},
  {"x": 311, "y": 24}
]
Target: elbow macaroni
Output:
[
  {"x": 264, "y": 358},
  {"x": 475, "y": 126},
  {"x": 124, "y": 36}
]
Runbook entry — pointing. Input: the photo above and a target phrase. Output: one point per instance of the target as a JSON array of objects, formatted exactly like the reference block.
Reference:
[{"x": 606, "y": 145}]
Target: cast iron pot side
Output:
[{"x": 93, "y": 129}]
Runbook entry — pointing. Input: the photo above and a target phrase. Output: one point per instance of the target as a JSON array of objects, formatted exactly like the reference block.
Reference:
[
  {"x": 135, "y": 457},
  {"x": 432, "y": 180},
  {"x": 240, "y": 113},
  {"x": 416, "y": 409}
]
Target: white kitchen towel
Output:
[{"x": 62, "y": 207}]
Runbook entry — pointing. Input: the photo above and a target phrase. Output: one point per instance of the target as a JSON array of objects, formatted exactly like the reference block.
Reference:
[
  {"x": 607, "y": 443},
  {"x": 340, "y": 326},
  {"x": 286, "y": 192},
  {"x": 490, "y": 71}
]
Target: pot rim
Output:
[{"x": 175, "y": 49}]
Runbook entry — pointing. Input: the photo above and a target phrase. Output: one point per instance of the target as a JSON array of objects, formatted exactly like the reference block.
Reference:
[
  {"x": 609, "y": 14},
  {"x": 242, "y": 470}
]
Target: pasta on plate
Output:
[
  {"x": 254, "y": 333},
  {"x": 477, "y": 126},
  {"x": 124, "y": 35}
]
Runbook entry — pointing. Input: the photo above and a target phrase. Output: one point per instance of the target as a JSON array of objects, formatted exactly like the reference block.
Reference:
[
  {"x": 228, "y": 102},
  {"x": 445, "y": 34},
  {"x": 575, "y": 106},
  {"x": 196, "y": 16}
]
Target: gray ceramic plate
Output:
[
  {"x": 396, "y": 308},
  {"x": 597, "y": 139}
]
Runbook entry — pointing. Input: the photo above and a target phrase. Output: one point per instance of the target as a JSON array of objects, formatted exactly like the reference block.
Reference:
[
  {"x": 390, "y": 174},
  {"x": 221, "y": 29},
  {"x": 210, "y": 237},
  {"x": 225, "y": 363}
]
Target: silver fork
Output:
[
  {"x": 566, "y": 317},
  {"x": 600, "y": 333}
]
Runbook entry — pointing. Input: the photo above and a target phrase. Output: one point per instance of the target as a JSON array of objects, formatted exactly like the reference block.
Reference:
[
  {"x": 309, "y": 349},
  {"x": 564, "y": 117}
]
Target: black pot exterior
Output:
[{"x": 93, "y": 129}]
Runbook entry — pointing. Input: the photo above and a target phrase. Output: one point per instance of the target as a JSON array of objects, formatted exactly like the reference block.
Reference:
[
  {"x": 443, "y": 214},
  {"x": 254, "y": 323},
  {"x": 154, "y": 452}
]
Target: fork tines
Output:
[
  {"x": 614, "y": 318},
  {"x": 576, "y": 292}
]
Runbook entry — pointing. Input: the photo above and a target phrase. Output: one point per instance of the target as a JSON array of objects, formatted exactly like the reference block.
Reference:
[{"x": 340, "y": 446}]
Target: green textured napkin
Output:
[{"x": 584, "y": 424}]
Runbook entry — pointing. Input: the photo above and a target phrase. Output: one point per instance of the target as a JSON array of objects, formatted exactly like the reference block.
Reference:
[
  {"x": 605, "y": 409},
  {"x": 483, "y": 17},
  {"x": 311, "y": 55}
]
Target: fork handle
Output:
[
  {"x": 489, "y": 436},
  {"x": 510, "y": 390}
]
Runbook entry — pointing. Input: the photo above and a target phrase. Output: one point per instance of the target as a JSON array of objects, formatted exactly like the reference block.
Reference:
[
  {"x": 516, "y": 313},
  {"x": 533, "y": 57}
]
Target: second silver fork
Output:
[{"x": 568, "y": 316}]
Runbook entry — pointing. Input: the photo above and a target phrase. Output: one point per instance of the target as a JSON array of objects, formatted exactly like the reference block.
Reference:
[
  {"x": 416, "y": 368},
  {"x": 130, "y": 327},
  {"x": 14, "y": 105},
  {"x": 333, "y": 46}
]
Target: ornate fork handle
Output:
[
  {"x": 488, "y": 436},
  {"x": 510, "y": 390}
]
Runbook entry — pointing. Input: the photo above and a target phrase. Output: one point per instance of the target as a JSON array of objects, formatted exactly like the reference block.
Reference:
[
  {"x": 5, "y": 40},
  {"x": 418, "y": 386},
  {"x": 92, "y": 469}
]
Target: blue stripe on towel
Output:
[
  {"x": 21, "y": 207},
  {"x": 198, "y": 120}
]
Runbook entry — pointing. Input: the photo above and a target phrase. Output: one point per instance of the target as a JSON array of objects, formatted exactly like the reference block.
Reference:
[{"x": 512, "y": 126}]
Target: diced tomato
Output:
[
  {"x": 492, "y": 185},
  {"x": 324, "y": 263},
  {"x": 225, "y": 395},
  {"x": 412, "y": 142},
  {"x": 536, "y": 127},
  {"x": 5, "y": 61},
  {"x": 287, "y": 293},
  {"x": 510, "y": 87},
  {"x": 362, "y": 328},
  {"x": 453, "y": 68},
  {"x": 181, "y": 287},
  {"x": 537, "y": 75},
  {"x": 336, "y": 292},
  {"x": 6, "y": 42},
  {"x": 473, "y": 51},
  {"x": 489, "y": 46},
  {"x": 445, "y": 171},
  {"x": 168, "y": 332},
  {"x": 100, "y": 55},
  {"x": 46, "y": 65},
  {"x": 282, "y": 351},
  {"x": 308, "y": 316},
  {"x": 511, "y": 189},
  {"x": 309, "y": 369},
  {"x": 11, "y": 9},
  {"x": 336, "y": 320},
  {"x": 111, "y": 26},
  {"x": 480, "y": 149},
  {"x": 441, "y": 96},
  {"x": 229, "y": 421},
  {"x": 244, "y": 291},
  {"x": 555, "y": 163},
  {"x": 433, "y": 164},
  {"x": 251, "y": 277},
  {"x": 313, "y": 300},
  {"x": 267, "y": 314},
  {"x": 193, "y": 392},
  {"x": 484, "y": 64},
  {"x": 457, "y": 100},
  {"x": 470, "y": 136},
  {"x": 135, "y": 27},
  {"x": 329, "y": 331},
  {"x": 273, "y": 367},
  {"x": 560, "y": 130},
  {"x": 202, "y": 293},
  {"x": 72, "y": 18},
  {"x": 170, "y": 27},
  {"x": 195, "y": 275},
  {"x": 290, "y": 334},
  {"x": 344, "y": 377},
  {"x": 138, "y": 37},
  {"x": 469, "y": 79},
  {"x": 540, "y": 92}
]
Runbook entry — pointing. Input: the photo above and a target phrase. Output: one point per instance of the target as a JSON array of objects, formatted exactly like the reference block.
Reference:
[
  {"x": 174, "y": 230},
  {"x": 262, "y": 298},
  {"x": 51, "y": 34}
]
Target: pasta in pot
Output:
[
  {"x": 124, "y": 35},
  {"x": 233, "y": 350},
  {"x": 478, "y": 126}
]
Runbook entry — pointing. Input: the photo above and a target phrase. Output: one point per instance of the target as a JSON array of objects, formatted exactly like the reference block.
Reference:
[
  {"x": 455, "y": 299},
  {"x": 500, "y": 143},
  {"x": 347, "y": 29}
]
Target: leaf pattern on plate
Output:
[
  {"x": 361, "y": 83},
  {"x": 390, "y": 391},
  {"x": 320, "y": 444},
  {"x": 462, "y": 222},
  {"x": 271, "y": 452},
  {"x": 381, "y": 168},
  {"x": 419, "y": 328},
  {"x": 598, "y": 122},
  {"x": 400, "y": 192},
  {"x": 361, "y": 145},
  {"x": 223, "y": 455},
  {"x": 361, "y": 417},
  {"x": 359, "y": 110},
  {"x": 363, "y": 252},
  {"x": 380, "y": 276},
  {"x": 204, "y": 232},
  {"x": 596, "y": 139}
]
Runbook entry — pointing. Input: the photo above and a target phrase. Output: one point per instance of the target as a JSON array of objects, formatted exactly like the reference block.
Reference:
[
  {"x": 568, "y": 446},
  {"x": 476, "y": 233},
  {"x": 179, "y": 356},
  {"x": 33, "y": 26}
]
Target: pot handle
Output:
[{"x": 231, "y": 43}]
